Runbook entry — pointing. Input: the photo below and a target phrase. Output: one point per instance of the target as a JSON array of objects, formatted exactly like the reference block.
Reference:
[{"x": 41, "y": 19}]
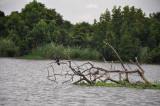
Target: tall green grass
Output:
[
  {"x": 8, "y": 48},
  {"x": 82, "y": 54},
  {"x": 144, "y": 54},
  {"x": 49, "y": 50}
]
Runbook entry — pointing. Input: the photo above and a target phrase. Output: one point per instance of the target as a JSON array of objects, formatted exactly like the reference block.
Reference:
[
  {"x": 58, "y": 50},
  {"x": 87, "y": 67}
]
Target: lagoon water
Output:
[{"x": 24, "y": 83}]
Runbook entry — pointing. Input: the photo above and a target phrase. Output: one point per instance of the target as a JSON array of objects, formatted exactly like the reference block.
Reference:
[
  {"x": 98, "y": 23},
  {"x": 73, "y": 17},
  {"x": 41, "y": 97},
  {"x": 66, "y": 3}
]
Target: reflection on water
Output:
[{"x": 24, "y": 83}]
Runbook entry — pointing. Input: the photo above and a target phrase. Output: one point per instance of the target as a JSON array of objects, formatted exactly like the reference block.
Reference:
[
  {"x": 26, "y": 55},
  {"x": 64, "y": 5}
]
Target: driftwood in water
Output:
[{"x": 91, "y": 74}]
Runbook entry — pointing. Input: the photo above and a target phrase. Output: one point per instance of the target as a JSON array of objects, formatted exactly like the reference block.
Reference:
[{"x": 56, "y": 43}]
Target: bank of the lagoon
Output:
[
  {"x": 31, "y": 57},
  {"x": 23, "y": 82},
  {"x": 155, "y": 85}
]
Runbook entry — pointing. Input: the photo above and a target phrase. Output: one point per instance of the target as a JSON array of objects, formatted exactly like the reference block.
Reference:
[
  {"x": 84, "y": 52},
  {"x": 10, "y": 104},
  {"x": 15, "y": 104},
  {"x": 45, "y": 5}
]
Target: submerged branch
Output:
[{"x": 91, "y": 74}]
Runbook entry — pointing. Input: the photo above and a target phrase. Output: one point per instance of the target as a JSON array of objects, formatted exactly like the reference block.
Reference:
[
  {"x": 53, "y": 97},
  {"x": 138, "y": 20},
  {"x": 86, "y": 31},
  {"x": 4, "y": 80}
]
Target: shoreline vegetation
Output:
[
  {"x": 33, "y": 57},
  {"x": 42, "y": 58},
  {"x": 138, "y": 86},
  {"x": 47, "y": 52}
]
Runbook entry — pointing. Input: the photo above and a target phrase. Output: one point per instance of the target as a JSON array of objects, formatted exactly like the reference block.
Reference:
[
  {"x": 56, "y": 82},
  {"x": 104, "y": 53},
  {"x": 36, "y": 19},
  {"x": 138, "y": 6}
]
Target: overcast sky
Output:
[{"x": 82, "y": 10}]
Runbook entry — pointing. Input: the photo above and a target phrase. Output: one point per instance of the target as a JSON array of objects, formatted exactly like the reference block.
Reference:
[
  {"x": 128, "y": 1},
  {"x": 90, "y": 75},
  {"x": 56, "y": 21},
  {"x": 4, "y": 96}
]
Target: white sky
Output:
[{"x": 82, "y": 10}]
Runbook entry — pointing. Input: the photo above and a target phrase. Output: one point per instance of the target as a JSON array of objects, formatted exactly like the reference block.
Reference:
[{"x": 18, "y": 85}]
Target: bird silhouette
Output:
[
  {"x": 57, "y": 59},
  {"x": 95, "y": 73}
]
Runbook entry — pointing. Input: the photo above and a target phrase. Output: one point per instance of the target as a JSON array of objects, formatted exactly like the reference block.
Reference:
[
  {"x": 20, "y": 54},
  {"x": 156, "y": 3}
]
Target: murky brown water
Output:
[{"x": 24, "y": 83}]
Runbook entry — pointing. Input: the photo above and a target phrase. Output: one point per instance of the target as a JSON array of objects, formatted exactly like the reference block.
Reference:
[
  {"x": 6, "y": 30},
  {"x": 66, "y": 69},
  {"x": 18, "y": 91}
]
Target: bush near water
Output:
[{"x": 49, "y": 50}]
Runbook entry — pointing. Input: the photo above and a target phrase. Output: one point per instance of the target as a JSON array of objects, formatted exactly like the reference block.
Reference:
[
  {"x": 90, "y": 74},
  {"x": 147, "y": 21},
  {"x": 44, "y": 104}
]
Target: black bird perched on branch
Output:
[
  {"x": 57, "y": 59},
  {"x": 95, "y": 73}
]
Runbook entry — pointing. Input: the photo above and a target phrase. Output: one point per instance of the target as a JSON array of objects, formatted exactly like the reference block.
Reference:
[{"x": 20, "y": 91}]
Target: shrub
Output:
[
  {"x": 144, "y": 54},
  {"x": 8, "y": 48}
]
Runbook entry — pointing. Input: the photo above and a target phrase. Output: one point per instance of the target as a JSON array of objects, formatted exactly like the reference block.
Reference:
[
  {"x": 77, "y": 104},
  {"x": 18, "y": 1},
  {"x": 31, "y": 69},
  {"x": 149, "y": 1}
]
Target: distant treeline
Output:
[{"x": 127, "y": 29}]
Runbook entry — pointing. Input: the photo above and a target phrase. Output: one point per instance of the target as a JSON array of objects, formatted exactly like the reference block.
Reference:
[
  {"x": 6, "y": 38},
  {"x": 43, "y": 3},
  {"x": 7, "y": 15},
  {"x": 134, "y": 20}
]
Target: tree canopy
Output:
[{"x": 127, "y": 29}]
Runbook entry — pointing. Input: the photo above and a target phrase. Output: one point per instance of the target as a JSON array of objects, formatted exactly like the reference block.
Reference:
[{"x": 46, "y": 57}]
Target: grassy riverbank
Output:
[{"x": 120, "y": 85}]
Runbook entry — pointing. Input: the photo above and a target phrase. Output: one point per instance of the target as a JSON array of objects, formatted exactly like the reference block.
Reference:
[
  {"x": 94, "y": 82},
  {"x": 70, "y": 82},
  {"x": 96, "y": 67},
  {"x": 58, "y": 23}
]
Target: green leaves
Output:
[
  {"x": 129, "y": 47},
  {"x": 39, "y": 34}
]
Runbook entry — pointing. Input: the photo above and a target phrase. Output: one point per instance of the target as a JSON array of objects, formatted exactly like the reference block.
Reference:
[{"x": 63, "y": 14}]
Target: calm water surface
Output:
[{"x": 24, "y": 83}]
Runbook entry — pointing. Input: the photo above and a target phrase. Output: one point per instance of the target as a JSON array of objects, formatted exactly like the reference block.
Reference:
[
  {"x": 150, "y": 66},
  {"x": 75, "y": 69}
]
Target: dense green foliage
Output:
[{"x": 127, "y": 29}]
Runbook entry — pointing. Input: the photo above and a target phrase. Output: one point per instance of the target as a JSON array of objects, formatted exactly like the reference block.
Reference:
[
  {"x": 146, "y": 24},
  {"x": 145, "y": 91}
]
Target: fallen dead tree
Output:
[{"x": 88, "y": 73}]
